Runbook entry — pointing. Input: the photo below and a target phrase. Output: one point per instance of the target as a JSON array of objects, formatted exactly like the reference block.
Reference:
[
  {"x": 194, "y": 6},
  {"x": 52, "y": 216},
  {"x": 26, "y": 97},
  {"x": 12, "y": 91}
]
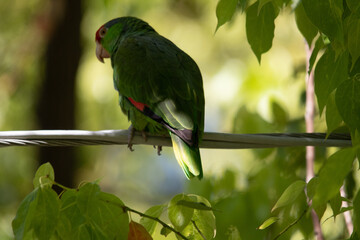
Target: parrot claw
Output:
[
  {"x": 159, "y": 149},
  {"x": 130, "y": 137}
]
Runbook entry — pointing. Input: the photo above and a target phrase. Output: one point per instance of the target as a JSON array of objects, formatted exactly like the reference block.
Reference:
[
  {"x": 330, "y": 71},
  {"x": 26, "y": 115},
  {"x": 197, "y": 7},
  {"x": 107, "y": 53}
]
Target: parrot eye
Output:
[{"x": 102, "y": 32}]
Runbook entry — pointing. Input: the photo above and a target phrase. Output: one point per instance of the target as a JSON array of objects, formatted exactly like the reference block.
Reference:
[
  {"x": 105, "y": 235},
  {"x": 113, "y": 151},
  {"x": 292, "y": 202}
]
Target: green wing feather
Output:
[{"x": 152, "y": 70}]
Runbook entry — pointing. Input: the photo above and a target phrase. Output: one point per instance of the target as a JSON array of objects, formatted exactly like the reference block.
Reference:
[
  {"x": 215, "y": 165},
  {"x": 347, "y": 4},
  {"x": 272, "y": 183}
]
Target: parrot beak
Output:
[{"x": 101, "y": 52}]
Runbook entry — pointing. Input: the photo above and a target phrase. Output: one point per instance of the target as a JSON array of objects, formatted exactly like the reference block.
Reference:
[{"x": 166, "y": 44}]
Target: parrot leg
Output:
[
  {"x": 131, "y": 136},
  {"x": 159, "y": 149}
]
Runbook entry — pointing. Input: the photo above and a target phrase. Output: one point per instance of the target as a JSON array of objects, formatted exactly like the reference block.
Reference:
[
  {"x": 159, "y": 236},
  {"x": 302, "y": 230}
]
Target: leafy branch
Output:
[
  {"x": 125, "y": 208},
  {"x": 291, "y": 224}
]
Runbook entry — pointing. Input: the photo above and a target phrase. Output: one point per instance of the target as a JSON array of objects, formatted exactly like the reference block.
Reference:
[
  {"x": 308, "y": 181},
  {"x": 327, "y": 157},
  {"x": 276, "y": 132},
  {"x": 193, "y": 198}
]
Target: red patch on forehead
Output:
[{"x": 97, "y": 34}]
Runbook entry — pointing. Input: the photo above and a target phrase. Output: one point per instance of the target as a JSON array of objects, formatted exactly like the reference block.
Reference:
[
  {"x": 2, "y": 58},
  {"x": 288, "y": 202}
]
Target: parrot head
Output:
[{"x": 111, "y": 33}]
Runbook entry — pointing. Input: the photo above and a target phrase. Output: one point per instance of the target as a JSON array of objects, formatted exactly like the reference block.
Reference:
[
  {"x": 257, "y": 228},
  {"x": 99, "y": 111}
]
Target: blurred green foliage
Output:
[{"x": 241, "y": 97}]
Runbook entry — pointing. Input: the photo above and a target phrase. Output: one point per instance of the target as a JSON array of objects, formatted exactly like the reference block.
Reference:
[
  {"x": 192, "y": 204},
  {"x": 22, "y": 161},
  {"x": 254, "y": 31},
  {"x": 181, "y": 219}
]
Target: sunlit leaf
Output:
[
  {"x": 138, "y": 232},
  {"x": 268, "y": 222},
  {"x": 179, "y": 215},
  {"x": 348, "y": 102},
  {"x": 233, "y": 233},
  {"x": 44, "y": 176},
  {"x": 290, "y": 194},
  {"x": 260, "y": 27},
  {"x": 329, "y": 74},
  {"x": 148, "y": 223},
  {"x": 225, "y": 10},
  {"x": 203, "y": 221},
  {"x": 305, "y": 26},
  {"x": 332, "y": 175}
]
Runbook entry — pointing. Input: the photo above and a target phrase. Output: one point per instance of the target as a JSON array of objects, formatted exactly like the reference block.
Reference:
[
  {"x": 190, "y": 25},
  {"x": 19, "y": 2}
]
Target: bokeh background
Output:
[{"x": 50, "y": 79}]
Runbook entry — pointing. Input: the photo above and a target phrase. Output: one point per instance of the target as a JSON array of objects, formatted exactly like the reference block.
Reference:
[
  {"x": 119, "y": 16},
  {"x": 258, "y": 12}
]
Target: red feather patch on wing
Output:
[{"x": 138, "y": 105}]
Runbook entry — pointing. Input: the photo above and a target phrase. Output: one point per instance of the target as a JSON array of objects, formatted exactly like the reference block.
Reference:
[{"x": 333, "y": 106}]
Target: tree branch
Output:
[{"x": 310, "y": 150}]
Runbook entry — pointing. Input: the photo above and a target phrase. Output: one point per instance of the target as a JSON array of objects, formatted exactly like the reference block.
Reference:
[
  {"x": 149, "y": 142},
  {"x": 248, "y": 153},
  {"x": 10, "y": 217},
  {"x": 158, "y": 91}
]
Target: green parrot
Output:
[{"x": 160, "y": 87}]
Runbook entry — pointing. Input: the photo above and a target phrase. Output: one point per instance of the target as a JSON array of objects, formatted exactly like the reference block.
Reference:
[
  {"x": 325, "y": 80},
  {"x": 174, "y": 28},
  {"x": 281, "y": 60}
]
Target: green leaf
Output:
[
  {"x": 165, "y": 231},
  {"x": 348, "y": 102},
  {"x": 204, "y": 220},
  {"x": 148, "y": 223},
  {"x": 91, "y": 214},
  {"x": 290, "y": 194},
  {"x": 319, "y": 44},
  {"x": 279, "y": 114},
  {"x": 326, "y": 16},
  {"x": 194, "y": 205},
  {"x": 311, "y": 187},
  {"x": 305, "y": 26},
  {"x": 268, "y": 222},
  {"x": 333, "y": 118},
  {"x": 332, "y": 175},
  {"x": 44, "y": 176},
  {"x": 356, "y": 205},
  {"x": 37, "y": 215},
  {"x": 233, "y": 233},
  {"x": 354, "y": 6},
  {"x": 335, "y": 204},
  {"x": 353, "y": 40},
  {"x": 225, "y": 10},
  {"x": 260, "y": 27},
  {"x": 179, "y": 215},
  {"x": 320, "y": 210},
  {"x": 329, "y": 73}
]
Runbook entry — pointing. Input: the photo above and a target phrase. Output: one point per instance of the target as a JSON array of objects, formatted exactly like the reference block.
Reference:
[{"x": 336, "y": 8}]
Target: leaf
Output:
[
  {"x": 326, "y": 16},
  {"x": 320, "y": 210},
  {"x": 348, "y": 102},
  {"x": 179, "y": 215},
  {"x": 332, "y": 175},
  {"x": 194, "y": 205},
  {"x": 290, "y": 194},
  {"x": 268, "y": 222},
  {"x": 279, "y": 114},
  {"x": 311, "y": 187},
  {"x": 319, "y": 44},
  {"x": 260, "y": 27},
  {"x": 44, "y": 176},
  {"x": 165, "y": 231},
  {"x": 333, "y": 118},
  {"x": 305, "y": 26},
  {"x": 148, "y": 223},
  {"x": 37, "y": 215},
  {"x": 204, "y": 220},
  {"x": 335, "y": 204},
  {"x": 138, "y": 232},
  {"x": 233, "y": 233},
  {"x": 354, "y": 6},
  {"x": 225, "y": 10},
  {"x": 353, "y": 40},
  {"x": 356, "y": 205},
  {"x": 329, "y": 74},
  {"x": 89, "y": 213}
]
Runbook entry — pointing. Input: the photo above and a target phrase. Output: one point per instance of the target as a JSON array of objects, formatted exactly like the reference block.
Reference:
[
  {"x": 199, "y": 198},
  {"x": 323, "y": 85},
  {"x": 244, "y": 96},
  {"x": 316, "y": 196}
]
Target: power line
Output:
[{"x": 61, "y": 138}]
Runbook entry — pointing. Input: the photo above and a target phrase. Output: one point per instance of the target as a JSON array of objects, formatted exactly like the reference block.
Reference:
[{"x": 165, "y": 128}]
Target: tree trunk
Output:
[{"x": 56, "y": 103}]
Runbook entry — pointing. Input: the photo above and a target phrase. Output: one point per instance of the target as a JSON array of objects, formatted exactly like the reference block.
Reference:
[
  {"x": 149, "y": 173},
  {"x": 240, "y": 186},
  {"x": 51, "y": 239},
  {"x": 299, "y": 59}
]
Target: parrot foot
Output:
[
  {"x": 159, "y": 149},
  {"x": 131, "y": 136}
]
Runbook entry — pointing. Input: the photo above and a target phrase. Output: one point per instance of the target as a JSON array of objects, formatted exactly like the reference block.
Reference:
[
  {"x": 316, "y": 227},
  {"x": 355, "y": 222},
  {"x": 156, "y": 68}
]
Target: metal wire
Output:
[{"x": 66, "y": 138}]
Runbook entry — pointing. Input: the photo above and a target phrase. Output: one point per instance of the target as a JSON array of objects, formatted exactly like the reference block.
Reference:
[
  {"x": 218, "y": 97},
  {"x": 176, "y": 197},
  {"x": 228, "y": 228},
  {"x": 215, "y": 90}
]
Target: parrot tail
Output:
[{"x": 187, "y": 156}]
